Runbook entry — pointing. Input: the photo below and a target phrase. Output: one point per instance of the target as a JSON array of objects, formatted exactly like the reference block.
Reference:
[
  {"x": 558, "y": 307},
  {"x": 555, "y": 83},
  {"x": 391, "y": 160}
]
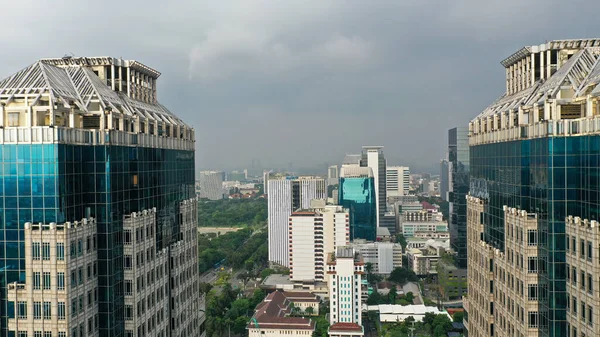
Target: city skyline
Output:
[{"x": 336, "y": 63}]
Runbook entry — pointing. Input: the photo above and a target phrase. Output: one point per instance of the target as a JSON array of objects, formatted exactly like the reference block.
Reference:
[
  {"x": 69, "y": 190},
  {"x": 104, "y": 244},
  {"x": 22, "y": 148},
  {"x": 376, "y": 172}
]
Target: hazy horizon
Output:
[{"x": 309, "y": 81}]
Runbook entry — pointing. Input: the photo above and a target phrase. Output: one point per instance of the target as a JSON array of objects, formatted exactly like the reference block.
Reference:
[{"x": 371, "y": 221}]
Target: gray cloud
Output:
[{"x": 305, "y": 81}]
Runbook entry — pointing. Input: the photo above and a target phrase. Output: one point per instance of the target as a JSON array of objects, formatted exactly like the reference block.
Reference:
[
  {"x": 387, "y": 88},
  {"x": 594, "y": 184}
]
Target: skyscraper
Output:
[
  {"x": 534, "y": 158},
  {"x": 458, "y": 160},
  {"x": 211, "y": 185},
  {"x": 85, "y": 139},
  {"x": 444, "y": 179},
  {"x": 333, "y": 175},
  {"x": 286, "y": 195},
  {"x": 372, "y": 157},
  {"x": 357, "y": 194}
]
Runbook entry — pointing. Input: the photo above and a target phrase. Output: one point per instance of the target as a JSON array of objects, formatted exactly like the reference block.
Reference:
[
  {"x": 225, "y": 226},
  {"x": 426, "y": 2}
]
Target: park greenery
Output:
[
  {"x": 235, "y": 249},
  {"x": 232, "y": 213},
  {"x": 229, "y": 311}
]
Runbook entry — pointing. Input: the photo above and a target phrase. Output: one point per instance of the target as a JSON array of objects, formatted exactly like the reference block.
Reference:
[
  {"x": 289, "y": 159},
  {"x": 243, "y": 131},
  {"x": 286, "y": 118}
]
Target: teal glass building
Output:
[
  {"x": 537, "y": 149},
  {"x": 357, "y": 194},
  {"x": 94, "y": 143}
]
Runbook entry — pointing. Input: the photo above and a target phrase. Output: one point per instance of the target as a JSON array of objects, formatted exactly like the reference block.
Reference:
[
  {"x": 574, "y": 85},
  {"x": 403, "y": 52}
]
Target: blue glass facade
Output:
[
  {"x": 61, "y": 182},
  {"x": 358, "y": 195},
  {"x": 554, "y": 177},
  {"x": 458, "y": 156}
]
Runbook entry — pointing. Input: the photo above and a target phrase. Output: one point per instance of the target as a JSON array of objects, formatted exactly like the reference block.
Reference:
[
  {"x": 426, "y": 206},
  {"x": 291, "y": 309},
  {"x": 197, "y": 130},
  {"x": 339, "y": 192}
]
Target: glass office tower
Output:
[
  {"x": 458, "y": 159},
  {"x": 534, "y": 164},
  {"x": 86, "y": 137},
  {"x": 357, "y": 194}
]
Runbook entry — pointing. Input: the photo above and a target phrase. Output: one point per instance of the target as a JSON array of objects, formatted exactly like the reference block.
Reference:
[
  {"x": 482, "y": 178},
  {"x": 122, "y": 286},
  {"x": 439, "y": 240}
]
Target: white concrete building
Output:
[
  {"x": 384, "y": 256},
  {"x": 210, "y": 185},
  {"x": 60, "y": 295},
  {"x": 422, "y": 222},
  {"x": 285, "y": 195},
  {"x": 313, "y": 234},
  {"x": 333, "y": 175},
  {"x": 372, "y": 157},
  {"x": 423, "y": 261},
  {"x": 345, "y": 268},
  {"x": 398, "y": 181},
  {"x": 392, "y": 313}
]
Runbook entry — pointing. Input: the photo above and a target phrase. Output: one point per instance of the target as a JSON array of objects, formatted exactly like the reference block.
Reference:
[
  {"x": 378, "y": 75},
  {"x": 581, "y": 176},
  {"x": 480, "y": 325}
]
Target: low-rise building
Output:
[
  {"x": 392, "y": 313},
  {"x": 272, "y": 318},
  {"x": 303, "y": 301},
  {"x": 423, "y": 261}
]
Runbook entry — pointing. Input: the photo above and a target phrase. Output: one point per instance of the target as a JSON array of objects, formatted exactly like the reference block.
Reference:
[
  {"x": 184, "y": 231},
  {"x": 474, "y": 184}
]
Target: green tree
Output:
[
  {"x": 393, "y": 294},
  {"x": 409, "y": 297},
  {"x": 458, "y": 316},
  {"x": 322, "y": 326},
  {"x": 309, "y": 311},
  {"x": 265, "y": 273},
  {"x": 402, "y": 241},
  {"x": 205, "y": 287},
  {"x": 439, "y": 331},
  {"x": 402, "y": 275}
]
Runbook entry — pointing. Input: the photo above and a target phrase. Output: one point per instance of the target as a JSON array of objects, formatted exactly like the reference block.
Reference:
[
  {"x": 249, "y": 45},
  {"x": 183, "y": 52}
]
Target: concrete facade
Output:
[{"x": 60, "y": 295}]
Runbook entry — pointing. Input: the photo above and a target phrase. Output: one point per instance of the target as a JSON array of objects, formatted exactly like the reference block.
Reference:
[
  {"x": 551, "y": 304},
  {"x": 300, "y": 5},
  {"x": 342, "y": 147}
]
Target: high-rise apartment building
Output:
[
  {"x": 372, "y": 157},
  {"x": 397, "y": 181},
  {"x": 534, "y": 157},
  {"x": 286, "y": 195},
  {"x": 211, "y": 185},
  {"x": 345, "y": 269},
  {"x": 85, "y": 138},
  {"x": 357, "y": 194},
  {"x": 444, "y": 179},
  {"x": 333, "y": 175},
  {"x": 313, "y": 234},
  {"x": 458, "y": 160}
]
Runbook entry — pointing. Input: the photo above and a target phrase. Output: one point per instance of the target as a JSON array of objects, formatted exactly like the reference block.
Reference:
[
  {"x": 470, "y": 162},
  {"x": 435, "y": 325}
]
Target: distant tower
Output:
[{"x": 372, "y": 157}]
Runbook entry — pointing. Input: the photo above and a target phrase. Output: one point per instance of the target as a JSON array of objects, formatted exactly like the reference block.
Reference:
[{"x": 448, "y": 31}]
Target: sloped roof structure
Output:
[
  {"x": 581, "y": 72},
  {"x": 78, "y": 85}
]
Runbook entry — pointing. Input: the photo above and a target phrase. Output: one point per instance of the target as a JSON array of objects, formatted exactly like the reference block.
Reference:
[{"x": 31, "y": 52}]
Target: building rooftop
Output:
[
  {"x": 353, "y": 171},
  {"x": 61, "y": 84},
  {"x": 346, "y": 327},
  {"x": 345, "y": 252},
  {"x": 273, "y": 313}
]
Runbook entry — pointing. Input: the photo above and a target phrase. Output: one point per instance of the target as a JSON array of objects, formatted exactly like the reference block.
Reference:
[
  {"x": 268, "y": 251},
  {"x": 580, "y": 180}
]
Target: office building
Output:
[
  {"x": 397, "y": 181},
  {"x": 345, "y": 268},
  {"x": 333, "y": 175},
  {"x": 352, "y": 159},
  {"x": 357, "y": 194},
  {"x": 383, "y": 256},
  {"x": 313, "y": 234},
  {"x": 211, "y": 185},
  {"x": 536, "y": 151},
  {"x": 424, "y": 261},
  {"x": 372, "y": 157},
  {"x": 458, "y": 159},
  {"x": 85, "y": 138},
  {"x": 445, "y": 179},
  {"x": 286, "y": 195},
  {"x": 431, "y": 221}
]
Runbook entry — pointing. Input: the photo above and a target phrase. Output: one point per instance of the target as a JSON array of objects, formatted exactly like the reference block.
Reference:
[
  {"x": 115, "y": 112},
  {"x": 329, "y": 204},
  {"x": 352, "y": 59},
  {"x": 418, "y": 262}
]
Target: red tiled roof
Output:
[
  {"x": 273, "y": 311},
  {"x": 343, "y": 327},
  {"x": 297, "y": 296},
  {"x": 427, "y": 205}
]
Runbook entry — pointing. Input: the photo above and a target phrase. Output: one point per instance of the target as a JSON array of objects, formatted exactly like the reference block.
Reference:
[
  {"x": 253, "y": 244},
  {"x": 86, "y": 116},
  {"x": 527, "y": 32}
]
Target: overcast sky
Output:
[{"x": 304, "y": 81}]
